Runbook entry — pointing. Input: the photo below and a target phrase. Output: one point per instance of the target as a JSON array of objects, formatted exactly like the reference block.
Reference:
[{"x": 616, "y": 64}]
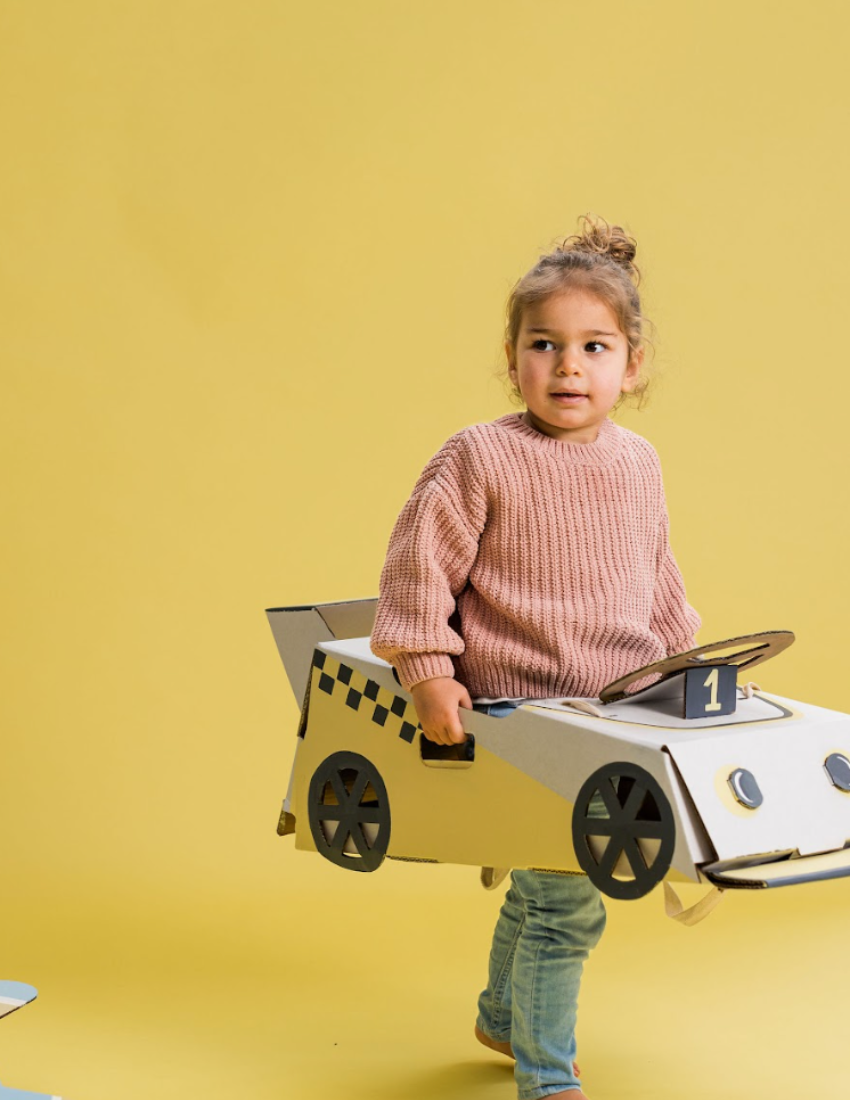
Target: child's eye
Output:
[
  {"x": 596, "y": 343},
  {"x": 543, "y": 345}
]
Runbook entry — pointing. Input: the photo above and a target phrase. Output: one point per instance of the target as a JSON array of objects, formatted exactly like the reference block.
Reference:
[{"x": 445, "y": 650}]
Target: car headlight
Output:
[
  {"x": 838, "y": 769},
  {"x": 745, "y": 788}
]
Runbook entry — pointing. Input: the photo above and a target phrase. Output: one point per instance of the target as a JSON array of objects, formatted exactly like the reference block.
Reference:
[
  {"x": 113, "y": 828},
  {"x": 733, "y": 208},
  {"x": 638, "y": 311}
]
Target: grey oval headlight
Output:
[
  {"x": 745, "y": 788},
  {"x": 838, "y": 769}
]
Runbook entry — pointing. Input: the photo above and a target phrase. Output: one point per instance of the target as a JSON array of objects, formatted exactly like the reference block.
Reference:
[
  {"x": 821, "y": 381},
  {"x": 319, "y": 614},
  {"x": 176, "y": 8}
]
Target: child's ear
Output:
[
  {"x": 630, "y": 378},
  {"x": 510, "y": 355}
]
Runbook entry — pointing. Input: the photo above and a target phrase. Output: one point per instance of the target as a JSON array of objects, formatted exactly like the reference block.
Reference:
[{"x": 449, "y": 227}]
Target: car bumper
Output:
[{"x": 785, "y": 871}]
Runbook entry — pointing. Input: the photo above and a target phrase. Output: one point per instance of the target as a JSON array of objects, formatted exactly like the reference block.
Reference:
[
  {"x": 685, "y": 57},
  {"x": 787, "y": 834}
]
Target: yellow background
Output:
[{"x": 254, "y": 260}]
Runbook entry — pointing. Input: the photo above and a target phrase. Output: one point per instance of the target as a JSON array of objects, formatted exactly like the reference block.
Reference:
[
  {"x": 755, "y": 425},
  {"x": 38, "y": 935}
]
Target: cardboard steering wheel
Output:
[{"x": 751, "y": 650}]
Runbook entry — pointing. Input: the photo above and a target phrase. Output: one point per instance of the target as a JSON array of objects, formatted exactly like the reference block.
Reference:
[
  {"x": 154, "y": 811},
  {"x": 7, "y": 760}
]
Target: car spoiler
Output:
[{"x": 298, "y": 630}]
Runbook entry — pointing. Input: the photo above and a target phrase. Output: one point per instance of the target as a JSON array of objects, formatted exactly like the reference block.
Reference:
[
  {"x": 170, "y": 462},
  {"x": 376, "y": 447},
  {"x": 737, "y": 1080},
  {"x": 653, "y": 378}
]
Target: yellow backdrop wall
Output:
[{"x": 254, "y": 262}]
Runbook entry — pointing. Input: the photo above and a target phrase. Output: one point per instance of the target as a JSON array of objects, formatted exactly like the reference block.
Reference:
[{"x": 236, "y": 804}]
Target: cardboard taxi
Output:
[{"x": 702, "y": 778}]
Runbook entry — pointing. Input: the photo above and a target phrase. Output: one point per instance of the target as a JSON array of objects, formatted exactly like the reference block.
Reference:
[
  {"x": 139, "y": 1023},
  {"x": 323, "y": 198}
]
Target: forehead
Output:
[{"x": 570, "y": 310}]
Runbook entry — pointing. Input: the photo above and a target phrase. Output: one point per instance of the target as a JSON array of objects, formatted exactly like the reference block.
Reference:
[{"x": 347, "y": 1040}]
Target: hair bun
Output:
[{"x": 600, "y": 237}]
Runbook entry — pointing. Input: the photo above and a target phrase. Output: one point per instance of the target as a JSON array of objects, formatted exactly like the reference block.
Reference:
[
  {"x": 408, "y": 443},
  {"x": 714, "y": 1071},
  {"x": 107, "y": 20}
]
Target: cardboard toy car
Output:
[
  {"x": 703, "y": 779},
  {"x": 14, "y": 995}
]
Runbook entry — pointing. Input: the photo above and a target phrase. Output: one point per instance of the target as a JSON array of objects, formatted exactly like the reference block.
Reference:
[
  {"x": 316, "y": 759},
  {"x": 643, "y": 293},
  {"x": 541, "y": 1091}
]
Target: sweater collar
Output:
[{"x": 601, "y": 452}]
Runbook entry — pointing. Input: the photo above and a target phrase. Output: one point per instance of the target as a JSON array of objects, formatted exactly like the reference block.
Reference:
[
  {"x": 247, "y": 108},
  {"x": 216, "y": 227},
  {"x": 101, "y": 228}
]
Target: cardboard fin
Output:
[
  {"x": 298, "y": 630},
  {"x": 351, "y": 619}
]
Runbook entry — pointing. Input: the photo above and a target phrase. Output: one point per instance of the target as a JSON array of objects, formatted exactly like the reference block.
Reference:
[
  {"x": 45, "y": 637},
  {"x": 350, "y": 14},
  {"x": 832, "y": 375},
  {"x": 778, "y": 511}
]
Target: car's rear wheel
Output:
[
  {"x": 349, "y": 812},
  {"x": 627, "y": 847}
]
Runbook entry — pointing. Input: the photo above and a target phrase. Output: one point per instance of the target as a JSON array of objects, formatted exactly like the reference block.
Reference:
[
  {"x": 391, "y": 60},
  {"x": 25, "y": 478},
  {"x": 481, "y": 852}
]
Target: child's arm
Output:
[
  {"x": 431, "y": 552},
  {"x": 673, "y": 620}
]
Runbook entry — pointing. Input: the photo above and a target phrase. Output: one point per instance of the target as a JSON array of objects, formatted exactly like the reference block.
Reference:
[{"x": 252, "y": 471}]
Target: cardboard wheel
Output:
[
  {"x": 638, "y": 833},
  {"x": 349, "y": 812}
]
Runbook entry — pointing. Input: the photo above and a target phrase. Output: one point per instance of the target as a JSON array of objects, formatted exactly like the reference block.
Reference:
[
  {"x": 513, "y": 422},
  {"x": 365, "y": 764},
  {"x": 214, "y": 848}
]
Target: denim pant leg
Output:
[
  {"x": 547, "y": 926},
  {"x": 494, "y": 1004},
  {"x": 564, "y": 920},
  {"x": 546, "y": 929}
]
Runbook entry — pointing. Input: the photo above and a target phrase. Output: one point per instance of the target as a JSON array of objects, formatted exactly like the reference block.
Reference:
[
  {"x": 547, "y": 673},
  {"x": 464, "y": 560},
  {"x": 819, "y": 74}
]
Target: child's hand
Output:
[{"x": 437, "y": 703}]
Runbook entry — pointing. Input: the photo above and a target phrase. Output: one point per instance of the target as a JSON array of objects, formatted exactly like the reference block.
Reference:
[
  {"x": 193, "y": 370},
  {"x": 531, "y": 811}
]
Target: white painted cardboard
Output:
[{"x": 515, "y": 804}]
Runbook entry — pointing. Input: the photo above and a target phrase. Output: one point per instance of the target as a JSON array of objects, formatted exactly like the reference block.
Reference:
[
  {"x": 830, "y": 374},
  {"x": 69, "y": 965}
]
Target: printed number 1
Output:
[{"x": 712, "y": 682}]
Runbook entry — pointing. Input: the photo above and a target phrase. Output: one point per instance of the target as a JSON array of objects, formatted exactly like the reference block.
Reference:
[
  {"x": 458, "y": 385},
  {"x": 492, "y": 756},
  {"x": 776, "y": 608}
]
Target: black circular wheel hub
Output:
[
  {"x": 348, "y": 801},
  {"x": 636, "y": 809}
]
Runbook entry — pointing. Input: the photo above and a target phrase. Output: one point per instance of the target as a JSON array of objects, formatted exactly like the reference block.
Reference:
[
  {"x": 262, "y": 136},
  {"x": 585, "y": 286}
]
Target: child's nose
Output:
[{"x": 569, "y": 363}]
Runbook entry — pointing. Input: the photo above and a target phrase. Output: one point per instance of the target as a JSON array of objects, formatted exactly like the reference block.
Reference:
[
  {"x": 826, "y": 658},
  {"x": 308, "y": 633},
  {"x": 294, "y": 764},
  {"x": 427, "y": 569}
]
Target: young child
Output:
[{"x": 532, "y": 561}]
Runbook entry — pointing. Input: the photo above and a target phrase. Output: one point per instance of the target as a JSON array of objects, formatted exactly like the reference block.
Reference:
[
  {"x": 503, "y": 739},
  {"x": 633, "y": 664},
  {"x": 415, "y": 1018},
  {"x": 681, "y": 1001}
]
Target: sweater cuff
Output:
[{"x": 413, "y": 668}]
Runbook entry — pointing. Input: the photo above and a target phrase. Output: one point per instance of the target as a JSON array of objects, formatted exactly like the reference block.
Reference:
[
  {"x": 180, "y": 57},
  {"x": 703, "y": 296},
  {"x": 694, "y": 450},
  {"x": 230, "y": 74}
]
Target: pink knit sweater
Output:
[{"x": 530, "y": 567}]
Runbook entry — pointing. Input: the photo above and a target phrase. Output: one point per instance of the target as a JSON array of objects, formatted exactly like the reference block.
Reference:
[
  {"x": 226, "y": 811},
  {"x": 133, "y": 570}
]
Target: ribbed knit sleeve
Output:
[
  {"x": 432, "y": 548},
  {"x": 673, "y": 620}
]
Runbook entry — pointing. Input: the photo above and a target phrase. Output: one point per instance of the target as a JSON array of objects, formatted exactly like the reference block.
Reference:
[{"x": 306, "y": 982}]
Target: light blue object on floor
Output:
[
  {"x": 17, "y": 1094},
  {"x": 14, "y": 995}
]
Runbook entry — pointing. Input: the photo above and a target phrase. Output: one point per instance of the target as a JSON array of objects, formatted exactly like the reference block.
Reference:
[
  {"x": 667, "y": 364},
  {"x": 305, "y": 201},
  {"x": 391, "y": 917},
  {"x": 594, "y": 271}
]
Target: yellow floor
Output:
[{"x": 322, "y": 983}]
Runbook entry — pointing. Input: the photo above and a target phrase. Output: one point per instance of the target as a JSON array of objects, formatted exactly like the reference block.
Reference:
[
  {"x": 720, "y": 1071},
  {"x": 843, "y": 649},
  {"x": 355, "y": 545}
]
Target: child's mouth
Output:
[{"x": 566, "y": 398}]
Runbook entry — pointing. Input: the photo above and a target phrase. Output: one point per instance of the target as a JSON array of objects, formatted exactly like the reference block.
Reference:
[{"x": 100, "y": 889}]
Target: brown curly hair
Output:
[{"x": 599, "y": 260}]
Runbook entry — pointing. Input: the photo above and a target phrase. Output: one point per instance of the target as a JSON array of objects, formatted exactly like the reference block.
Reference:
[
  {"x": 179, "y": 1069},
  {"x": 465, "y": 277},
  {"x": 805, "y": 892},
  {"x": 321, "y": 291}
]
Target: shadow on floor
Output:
[{"x": 453, "y": 1081}]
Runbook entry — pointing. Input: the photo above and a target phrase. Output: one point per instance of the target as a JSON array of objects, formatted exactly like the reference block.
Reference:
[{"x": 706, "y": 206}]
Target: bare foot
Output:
[{"x": 505, "y": 1048}]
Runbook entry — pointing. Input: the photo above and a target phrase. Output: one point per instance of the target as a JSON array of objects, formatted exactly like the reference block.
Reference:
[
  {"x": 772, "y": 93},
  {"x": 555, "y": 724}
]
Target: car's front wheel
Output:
[
  {"x": 349, "y": 812},
  {"x": 624, "y": 830}
]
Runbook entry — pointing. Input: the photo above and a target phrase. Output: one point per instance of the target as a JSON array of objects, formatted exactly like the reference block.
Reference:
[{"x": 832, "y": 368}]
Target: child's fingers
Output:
[
  {"x": 437, "y": 703},
  {"x": 449, "y": 731},
  {"x": 441, "y": 735},
  {"x": 464, "y": 699},
  {"x": 456, "y": 730}
]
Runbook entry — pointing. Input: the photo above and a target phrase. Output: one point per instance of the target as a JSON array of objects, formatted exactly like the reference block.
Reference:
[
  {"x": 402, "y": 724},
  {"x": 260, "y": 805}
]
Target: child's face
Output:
[{"x": 571, "y": 363}]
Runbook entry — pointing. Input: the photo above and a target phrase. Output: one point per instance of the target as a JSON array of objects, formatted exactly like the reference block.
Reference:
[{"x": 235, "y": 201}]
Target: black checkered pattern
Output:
[{"x": 387, "y": 710}]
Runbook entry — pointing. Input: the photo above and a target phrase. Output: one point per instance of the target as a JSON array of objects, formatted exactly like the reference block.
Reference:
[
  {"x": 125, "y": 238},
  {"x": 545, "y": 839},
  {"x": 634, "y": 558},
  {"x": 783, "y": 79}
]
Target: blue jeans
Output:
[{"x": 547, "y": 926}]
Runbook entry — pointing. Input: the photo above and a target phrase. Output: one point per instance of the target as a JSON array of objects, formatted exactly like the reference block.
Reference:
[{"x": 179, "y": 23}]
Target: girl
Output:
[{"x": 532, "y": 561}]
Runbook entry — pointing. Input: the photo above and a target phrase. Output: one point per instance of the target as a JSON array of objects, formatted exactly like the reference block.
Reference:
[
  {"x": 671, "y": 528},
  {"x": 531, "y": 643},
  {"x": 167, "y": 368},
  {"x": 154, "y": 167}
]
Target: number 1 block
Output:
[{"x": 710, "y": 691}]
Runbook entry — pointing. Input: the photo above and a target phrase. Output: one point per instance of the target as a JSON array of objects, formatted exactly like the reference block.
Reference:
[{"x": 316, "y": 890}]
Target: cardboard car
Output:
[{"x": 702, "y": 778}]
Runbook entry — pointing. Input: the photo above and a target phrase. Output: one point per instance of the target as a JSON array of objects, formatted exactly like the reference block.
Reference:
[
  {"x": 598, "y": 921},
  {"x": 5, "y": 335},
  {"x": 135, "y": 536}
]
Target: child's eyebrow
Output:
[{"x": 590, "y": 332}]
